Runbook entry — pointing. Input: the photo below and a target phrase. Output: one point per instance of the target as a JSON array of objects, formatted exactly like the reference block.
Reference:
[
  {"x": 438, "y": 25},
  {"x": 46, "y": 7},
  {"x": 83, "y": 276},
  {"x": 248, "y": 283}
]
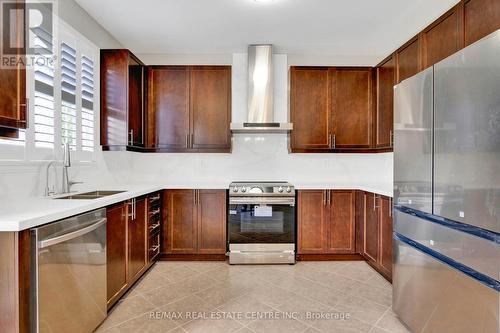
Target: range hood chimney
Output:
[{"x": 260, "y": 94}]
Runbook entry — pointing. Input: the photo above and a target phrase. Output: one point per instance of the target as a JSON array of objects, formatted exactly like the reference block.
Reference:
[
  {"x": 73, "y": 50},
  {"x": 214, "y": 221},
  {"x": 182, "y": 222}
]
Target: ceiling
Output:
[{"x": 311, "y": 27}]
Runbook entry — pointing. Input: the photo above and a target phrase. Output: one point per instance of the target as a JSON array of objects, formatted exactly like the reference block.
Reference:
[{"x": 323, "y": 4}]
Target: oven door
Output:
[{"x": 261, "y": 220}]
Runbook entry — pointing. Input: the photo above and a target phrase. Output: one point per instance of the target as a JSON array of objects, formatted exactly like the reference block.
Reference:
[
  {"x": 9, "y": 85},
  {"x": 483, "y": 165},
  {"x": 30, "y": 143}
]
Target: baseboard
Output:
[
  {"x": 192, "y": 257},
  {"x": 329, "y": 257}
]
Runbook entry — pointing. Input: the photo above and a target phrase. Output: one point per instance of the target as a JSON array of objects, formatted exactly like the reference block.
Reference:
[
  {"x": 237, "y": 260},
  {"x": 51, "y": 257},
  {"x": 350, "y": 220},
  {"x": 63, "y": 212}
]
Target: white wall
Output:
[{"x": 260, "y": 156}]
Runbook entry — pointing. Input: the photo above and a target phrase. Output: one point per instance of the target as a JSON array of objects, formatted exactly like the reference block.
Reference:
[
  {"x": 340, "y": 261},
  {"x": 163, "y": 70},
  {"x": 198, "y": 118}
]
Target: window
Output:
[
  {"x": 88, "y": 121},
  {"x": 44, "y": 94},
  {"x": 63, "y": 108},
  {"x": 68, "y": 95}
]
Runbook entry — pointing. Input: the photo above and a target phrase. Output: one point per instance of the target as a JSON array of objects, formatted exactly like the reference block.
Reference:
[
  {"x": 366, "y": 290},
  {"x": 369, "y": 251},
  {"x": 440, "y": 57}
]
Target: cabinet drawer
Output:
[{"x": 153, "y": 247}]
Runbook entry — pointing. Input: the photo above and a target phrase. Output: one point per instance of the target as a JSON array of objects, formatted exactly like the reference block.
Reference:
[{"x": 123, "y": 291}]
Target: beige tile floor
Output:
[{"x": 216, "y": 297}]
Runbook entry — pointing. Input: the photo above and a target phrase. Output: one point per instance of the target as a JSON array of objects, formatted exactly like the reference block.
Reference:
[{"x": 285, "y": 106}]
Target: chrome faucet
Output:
[
  {"x": 65, "y": 187},
  {"x": 48, "y": 190}
]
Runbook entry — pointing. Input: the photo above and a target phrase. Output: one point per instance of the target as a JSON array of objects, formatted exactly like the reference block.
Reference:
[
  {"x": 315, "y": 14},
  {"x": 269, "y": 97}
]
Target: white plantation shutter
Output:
[
  {"x": 88, "y": 117},
  {"x": 68, "y": 95},
  {"x": 63, "y": 99},
  {"x": 44, "y": 93}
]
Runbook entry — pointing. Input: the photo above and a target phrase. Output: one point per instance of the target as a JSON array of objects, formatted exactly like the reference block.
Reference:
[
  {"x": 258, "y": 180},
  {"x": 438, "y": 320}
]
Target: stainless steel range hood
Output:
[{"x": 260, "y": 94}]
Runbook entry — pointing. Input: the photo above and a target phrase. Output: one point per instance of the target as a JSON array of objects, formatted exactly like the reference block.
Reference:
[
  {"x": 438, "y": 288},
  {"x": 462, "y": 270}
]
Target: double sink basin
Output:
[{"x": 90, "y": 195}]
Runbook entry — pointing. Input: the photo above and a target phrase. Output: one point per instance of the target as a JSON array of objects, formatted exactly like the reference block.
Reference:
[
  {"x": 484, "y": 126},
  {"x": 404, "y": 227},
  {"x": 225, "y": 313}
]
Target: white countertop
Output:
[{"x": 28, "y": 212}]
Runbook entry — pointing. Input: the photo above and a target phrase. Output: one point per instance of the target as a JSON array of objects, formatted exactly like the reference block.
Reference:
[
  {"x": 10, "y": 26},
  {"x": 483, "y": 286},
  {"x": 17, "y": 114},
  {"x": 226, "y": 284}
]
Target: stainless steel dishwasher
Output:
[{"x": 69, "y": 275}]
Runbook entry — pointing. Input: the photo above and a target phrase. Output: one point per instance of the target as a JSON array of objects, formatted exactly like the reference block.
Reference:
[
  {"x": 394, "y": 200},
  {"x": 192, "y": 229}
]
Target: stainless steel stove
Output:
[{"x": 261, "y": 223}]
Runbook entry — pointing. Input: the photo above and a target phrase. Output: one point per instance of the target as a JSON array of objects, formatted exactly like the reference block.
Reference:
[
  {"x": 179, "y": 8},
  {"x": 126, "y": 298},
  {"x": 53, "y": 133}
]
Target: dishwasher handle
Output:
[{"x": 71, "y": 235}]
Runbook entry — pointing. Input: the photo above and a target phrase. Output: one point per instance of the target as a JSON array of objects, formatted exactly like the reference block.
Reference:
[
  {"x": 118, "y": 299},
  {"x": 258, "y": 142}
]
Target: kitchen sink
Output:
[{"x": 90, "y": 195}]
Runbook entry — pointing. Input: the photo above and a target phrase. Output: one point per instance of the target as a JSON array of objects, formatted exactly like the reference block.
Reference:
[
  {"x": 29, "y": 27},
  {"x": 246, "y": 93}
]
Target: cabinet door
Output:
[
  {"x": 168, "y": 105},
  {"x": 180, "y": 235},
  {"x": 211, "y": 212},
  {"x": 136, "y": 103},
  {"x": 312, "y": 214},
  {"x": 13, "y": 103},
  {"x": 360, "y": 221},
  {"x": 137, "y": 239},
  {"x": 310, "y": 108},
  {"x": 114, "y": 82},
  {"x": 385, "y": 216},
  {"x": 371, "y": 228},
  {"x": 408, "y": 62},
  {"x": 210, "y": 99},
  {"x": 340, "y": 225},
  {"x": 481, "y": 17},
  {"x": 443, "y": 37},
  {"x": 385, "y": 103},
  {"x": 116, "y": 249},
  {"x": 352, "y": 107}
]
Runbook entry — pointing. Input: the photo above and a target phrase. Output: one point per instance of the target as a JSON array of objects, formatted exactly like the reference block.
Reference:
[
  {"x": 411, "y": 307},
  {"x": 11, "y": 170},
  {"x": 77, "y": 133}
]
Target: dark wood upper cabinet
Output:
[
  {"x": 210, "y": 100},
  {"x": 385, "y": 216},
  {"x": 122, "y": 102},
  {"x": 310, "y": 109},
  {"x": 137, "y": 255},
  {"x": 168, "y": 106},
  {"x": 371, "y": 228},
  {"x": 13, "y": 103},
  {"x": 312, "y": 212},
  {"x": 341, "y": 223},
  {"x": 443, "y": 37},
  {"x": 408, "y": 59},
  {"x": 116, "y": 250},
  {"x": 136, "y": 116},
  {"x": 196, "y": 222},
  {"x": 211, "y": 211},
  {"x": 189, "y": 108},
  {"x": 351, "y": 107},
  {"x": 331, "y": 109},
  {"x": 326, "y": 222},
  {"x": 384, "y": 112},
  {"x": 181, "y": 230},
  {"x": 481, "y": 17}
]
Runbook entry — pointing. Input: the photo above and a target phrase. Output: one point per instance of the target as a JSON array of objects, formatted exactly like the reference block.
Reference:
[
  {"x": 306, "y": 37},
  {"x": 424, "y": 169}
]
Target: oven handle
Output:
[{"x": 262, "y": 201}]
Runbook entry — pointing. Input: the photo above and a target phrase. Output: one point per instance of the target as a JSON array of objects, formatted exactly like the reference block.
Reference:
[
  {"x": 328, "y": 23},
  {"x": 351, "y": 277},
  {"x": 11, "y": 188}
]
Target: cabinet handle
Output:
[
  {"x": 135, "y": 208},
  {"x": 390, "y": 207},
  {"x": 334, "y": 142},
  {"x": 391, "y": 138},
  {"x": 324, "y": 198},
  {"x": 187, "y": 140},
  {"x": 330, "y": 140},
  {"x": 192, "y": 141},
  {"x": 375, "y": 197},
  {"x": 328, "y": 196},
  {"x": 131, "y": 137},
  {"x": 26, "y": 105}
]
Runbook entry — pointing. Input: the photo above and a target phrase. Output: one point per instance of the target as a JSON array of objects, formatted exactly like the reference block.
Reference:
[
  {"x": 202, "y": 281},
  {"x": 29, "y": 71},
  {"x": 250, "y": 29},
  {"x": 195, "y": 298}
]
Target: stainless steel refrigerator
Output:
[{"x": 447, "y": 194}]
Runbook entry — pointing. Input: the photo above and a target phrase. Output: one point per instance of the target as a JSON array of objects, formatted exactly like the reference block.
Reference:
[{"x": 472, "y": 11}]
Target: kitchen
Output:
[{"x": 241, "y": 166}]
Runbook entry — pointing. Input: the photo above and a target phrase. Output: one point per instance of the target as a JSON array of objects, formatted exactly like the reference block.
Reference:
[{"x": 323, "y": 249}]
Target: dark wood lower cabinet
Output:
[
  {"x": 385, "y": 215},
  {"x": 374, "y": 231},
  {"x": 371, "y": 227},
  {"x": 137, "y": 251},
  {"x": 116, "y": 250},
  {"x": 128, "y": 244},
  {"x": 326, "y": 222},
  {"x": 196, "y": 222}
]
